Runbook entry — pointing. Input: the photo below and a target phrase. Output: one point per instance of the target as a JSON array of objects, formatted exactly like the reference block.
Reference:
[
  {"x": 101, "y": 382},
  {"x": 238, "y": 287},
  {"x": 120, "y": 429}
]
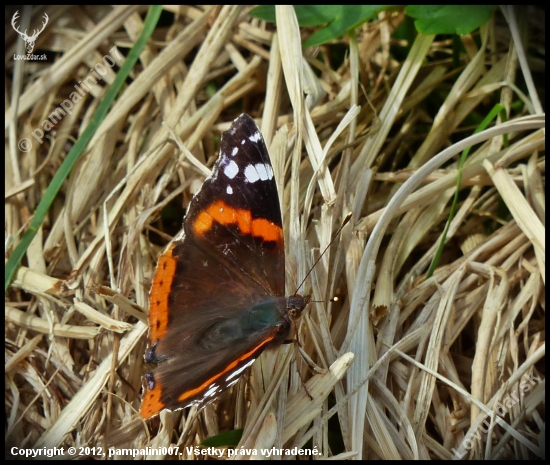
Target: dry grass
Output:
[{"x": 413, "y": 367}]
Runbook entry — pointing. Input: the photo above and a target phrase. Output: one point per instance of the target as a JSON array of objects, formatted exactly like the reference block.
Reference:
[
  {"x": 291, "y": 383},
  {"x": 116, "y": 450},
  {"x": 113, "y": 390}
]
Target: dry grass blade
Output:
[
  {"x": 526, "y": 218},
  {"x": 396, "y": 365},
  {"x": 86, "y": 397},
  {"x": 37, "y": 324}
]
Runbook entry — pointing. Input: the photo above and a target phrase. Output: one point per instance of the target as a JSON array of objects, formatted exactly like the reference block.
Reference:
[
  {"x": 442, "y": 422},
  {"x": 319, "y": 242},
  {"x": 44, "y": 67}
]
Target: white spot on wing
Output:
[
  {"x": 251, "y": 174},
  {"x": 255, "y": 137},
  {"x": 261, "y": 171},
  {"x": 240, "y": 370},
  {"x": 231, "y": 169},
  {"x": 242, "y": 142},
  {"x": 264, "y": 171},
  {"x": 234, "y": 151},
  {"x": 211, "y": 391},
  {"x": 229, "y": 190}
]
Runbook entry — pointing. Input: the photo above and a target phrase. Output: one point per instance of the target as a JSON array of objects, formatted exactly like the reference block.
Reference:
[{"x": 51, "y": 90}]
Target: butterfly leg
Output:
[
  {"x": 312, "y": 365},
  {"x": 298, "y": 348}
]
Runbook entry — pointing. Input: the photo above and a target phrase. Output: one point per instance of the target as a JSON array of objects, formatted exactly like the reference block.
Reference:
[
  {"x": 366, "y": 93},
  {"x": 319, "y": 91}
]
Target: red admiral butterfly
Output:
[{"x": 217, "y": 298}]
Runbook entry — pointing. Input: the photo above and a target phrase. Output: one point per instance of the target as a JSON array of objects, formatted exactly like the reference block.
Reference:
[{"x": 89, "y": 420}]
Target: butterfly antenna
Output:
[{"x": 336, "y": 234}]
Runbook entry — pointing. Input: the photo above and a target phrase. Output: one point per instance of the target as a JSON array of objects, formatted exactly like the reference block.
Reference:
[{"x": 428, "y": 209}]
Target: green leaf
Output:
[
  {"x": 264, "y": 12},
  {"x": 449, "y": 19},
  {"x": 227, "y": 438},
  {"x": 339, "y": 19},
  {"x": 308, "y": 15},
  {"x": 348, "y": 18}
]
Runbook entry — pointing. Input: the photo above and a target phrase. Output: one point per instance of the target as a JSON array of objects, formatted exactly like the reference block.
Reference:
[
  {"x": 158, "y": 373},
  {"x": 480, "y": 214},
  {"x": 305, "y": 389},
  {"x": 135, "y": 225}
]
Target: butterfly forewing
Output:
[{"x": 237, "y": 211}]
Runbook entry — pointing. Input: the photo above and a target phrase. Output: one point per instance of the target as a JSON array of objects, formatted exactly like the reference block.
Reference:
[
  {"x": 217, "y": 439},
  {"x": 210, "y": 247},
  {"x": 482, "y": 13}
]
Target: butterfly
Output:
[{"x": 217, "y": 299}]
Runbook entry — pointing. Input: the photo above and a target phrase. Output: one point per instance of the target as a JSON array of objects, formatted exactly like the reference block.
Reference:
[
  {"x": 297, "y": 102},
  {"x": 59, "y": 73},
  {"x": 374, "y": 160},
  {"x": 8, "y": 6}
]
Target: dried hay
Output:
[{"x": 418, "y": 368}]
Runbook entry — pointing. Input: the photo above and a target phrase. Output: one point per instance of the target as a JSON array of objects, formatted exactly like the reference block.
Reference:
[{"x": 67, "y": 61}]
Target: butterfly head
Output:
[{"x": 295, "y": 305}]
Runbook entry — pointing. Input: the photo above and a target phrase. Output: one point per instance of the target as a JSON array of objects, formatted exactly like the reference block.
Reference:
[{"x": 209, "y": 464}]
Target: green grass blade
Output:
[
  {"x": 497, "y": 109},
  {"x": 77, "y": 150}
]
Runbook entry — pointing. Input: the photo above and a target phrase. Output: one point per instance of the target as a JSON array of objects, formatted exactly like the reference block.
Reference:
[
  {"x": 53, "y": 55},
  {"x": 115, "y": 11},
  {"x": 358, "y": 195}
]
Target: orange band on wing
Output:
[
  {"x": 151, "y": 403},
  {"x": 222, "y": 213},
  {"x": 158, "y": 297},
  {"x": 228, "y": 368}
]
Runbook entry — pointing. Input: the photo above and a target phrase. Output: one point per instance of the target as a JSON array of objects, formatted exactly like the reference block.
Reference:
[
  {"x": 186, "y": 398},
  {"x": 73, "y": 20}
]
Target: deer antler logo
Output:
[{"x": 29, "y": 41}]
